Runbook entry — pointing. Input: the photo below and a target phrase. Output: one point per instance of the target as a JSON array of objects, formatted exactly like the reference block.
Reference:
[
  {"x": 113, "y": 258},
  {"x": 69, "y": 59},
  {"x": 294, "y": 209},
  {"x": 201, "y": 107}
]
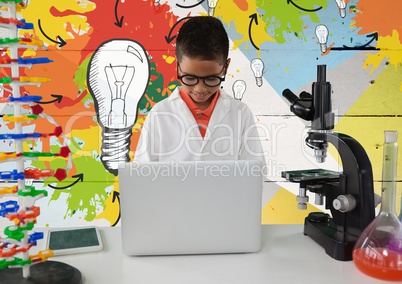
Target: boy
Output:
[{"x": 198, "y": 121}]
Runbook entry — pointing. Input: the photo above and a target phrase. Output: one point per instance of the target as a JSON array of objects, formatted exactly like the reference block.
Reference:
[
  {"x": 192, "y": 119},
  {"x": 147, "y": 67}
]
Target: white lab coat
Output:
[{"x": 170, "y": 132}]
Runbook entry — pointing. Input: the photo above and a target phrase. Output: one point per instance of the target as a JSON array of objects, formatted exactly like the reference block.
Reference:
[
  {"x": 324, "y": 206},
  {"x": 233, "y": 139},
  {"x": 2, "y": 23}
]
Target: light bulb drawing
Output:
[
  {"x": 119, "y": 79},
  {"x": 342, "y": 7},
  {"x": 322, "y": 32},
  {"x": 118, "y": 75},
  {"x": 211, "y": 7},
  {"x": 257, "y": 66},
  {"x": 239, "y": 88}
]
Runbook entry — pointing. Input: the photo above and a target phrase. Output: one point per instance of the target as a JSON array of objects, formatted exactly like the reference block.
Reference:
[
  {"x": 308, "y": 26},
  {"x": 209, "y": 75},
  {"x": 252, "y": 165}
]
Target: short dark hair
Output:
[{"x": 203, "y": 37}]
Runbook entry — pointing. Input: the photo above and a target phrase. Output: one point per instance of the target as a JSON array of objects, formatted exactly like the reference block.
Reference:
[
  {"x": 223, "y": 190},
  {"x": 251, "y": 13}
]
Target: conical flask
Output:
[{"x": 378, "y": 251}]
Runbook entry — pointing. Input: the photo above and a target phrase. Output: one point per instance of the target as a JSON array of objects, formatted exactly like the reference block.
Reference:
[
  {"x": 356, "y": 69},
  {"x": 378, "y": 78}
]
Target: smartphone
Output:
[{"x": 74, "y": 240}]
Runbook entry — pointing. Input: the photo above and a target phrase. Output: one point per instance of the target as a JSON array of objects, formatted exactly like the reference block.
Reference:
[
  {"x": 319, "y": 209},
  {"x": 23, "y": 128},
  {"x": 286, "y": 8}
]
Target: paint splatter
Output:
[
  {"x": 384, "y": 19},
  {"x": 285, "y": 20},
  {"x": 381, "y": 17},
  {"x": 235, "y": 17},
  {"x": 241, "y": 4},
  {"x": 83, "y": 26},
  {"x": 390, "y": 50}
]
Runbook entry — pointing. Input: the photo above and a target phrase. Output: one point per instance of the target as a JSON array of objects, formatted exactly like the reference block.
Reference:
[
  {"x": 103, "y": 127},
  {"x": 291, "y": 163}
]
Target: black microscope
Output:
[{"x": 349, "y": 195}]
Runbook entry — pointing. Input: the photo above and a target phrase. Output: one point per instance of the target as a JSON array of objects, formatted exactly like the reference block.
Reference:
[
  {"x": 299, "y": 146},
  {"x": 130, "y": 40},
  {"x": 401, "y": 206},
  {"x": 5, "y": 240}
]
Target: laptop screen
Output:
[{"x": 190, "y": 207}]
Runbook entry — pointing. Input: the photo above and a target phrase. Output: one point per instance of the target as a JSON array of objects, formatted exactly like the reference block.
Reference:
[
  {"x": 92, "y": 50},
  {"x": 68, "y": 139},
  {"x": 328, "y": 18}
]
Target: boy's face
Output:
[{"x": 201, "y": 93}]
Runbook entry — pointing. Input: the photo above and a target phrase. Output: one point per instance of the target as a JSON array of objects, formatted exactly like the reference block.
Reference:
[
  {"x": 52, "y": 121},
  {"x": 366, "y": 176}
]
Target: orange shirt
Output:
[{"x": 202, "y": 117}]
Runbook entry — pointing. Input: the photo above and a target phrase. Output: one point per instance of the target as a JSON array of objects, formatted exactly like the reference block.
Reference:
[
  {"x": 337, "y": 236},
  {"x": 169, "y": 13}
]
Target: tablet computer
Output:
[{"x": 74, "y": 240}]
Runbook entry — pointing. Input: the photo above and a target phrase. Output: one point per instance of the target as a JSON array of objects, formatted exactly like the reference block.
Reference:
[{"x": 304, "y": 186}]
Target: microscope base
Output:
[
  {"x": 48, "y": 272},
  {"x": 322, "y": 230}
]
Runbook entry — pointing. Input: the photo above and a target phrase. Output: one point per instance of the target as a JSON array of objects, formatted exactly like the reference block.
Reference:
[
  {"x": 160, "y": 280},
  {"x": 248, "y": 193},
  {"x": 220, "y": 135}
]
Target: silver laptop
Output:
[{"x": 199, "y": 207}]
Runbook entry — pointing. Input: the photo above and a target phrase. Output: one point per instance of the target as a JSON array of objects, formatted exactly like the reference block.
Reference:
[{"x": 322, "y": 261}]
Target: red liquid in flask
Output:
[{"x": 380, "y": 263}]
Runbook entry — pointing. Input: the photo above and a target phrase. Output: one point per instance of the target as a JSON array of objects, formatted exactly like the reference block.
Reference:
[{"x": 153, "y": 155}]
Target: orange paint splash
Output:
[
  {"x": 149, "y": 100},
  {"x": 241, "y": 4},
  {"x": 378, "y": 16}
]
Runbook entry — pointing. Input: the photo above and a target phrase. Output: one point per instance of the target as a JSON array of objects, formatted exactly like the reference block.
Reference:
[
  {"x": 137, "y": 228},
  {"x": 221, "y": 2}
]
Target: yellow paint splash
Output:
[
  {"x": 231, "y": 13},
  {"x": 112, "y": 206},
  {"x": 390, "y": 49},
  {"x": 381, "y": 101},
  {"x": 55, "y": 25},
  {"x": 91, "y": 136},
  {"x": 168, "y": 59}
]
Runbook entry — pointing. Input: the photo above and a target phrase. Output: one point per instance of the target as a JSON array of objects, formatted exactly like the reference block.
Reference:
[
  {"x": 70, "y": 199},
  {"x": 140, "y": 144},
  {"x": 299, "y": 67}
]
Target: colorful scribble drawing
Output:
[
  {"x": 239, "y": 88},
  {"x": 118, "y": 76},
  {"x": 280, "y": 33}
]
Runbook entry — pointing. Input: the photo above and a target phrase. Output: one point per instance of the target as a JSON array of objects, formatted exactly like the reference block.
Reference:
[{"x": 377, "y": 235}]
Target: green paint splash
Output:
[
  {"x": 87, "y": 196},
  {"x": 286, "y": 20},
  {"x": 154, "y": 89}
]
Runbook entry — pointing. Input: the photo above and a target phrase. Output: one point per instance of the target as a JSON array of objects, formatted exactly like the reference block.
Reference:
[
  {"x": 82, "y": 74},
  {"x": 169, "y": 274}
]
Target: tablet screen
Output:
[{"x": 73, "y": 238}]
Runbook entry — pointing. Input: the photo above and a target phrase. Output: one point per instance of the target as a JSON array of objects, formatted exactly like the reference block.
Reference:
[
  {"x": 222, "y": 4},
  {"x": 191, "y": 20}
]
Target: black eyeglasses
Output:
[{"x": 210, "y": 81}]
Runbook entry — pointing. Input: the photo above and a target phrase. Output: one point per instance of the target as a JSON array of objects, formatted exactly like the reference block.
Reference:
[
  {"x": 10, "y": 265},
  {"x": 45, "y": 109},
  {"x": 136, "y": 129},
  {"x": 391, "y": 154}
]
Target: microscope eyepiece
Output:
[
  {"x": 321, "y": 73},
  {"x": 290, "y": 96},
  {"x": 300, "y": 106}
]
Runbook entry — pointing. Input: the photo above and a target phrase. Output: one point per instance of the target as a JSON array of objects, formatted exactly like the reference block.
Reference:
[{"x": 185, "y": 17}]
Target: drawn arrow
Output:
[
  {"x": 118, "y": 22},
  {"x": 80, "y": 177},
  {"x": 366, "y": 46},
  {"x": 61, "y": 41},
  {"x": 304, "y": 9},
  {"x": 169, "y": 38},
  {"x": 116, "y": 195},
  {"x": 191, "y": 6},
  {"x": 253, "y": 17},
  {"x": 58, "y": 99}
]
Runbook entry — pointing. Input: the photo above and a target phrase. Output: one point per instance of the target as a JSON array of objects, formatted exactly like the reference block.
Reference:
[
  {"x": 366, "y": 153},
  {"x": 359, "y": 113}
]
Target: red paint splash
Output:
[{"x": 142, "y": 22}]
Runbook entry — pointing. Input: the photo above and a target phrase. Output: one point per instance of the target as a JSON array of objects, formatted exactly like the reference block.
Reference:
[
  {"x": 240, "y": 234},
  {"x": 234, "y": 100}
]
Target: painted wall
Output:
[{"x": 275, "y": 45}]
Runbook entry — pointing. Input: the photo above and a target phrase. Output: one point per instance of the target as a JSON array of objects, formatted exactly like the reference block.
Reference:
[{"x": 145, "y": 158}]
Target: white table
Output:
[{"x": 287, "y": 256}]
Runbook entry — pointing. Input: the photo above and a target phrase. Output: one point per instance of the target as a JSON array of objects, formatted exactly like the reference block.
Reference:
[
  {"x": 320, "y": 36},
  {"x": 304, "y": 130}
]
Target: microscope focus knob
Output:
[
  {"x": 344, "y": 203},
  {"x": 302, "y": 206},
  {"x": 302, "y": 201}
]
